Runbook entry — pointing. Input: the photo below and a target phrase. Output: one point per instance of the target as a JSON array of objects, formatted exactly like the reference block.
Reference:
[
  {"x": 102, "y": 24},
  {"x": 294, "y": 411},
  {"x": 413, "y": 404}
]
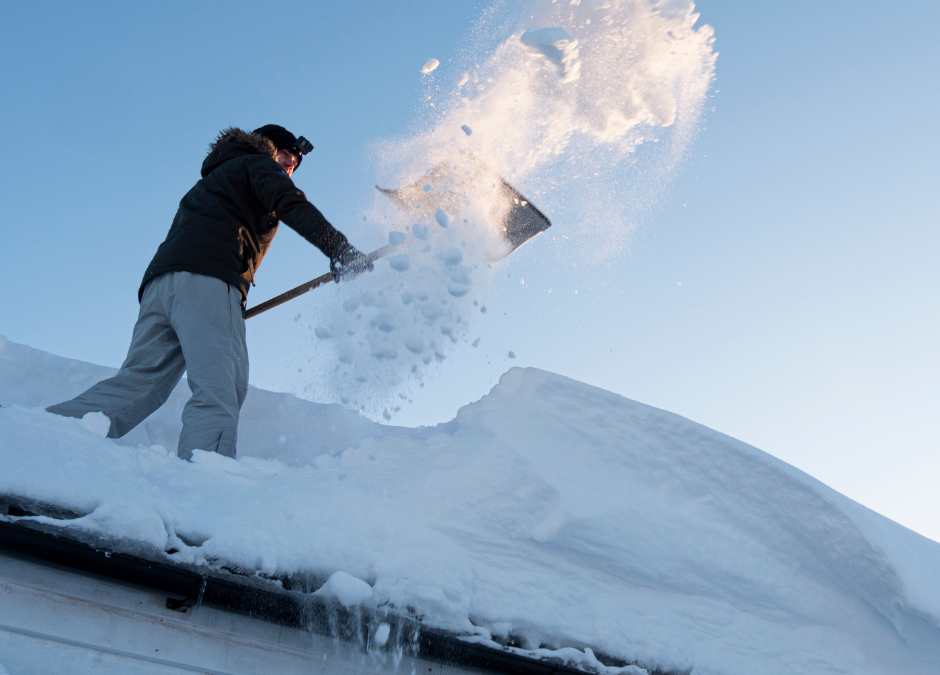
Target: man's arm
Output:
[{"x": 278, "y": 195}]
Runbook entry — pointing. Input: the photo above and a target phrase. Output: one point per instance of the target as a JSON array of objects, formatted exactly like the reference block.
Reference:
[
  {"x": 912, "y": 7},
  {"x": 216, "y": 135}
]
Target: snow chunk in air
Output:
[
  {"x": 556, "y": 45},
  {"x": 400, "y": 262}
]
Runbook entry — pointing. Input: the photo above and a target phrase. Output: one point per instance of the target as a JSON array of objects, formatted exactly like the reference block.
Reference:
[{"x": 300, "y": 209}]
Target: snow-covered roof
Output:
[{"x": 550, "y": 512}]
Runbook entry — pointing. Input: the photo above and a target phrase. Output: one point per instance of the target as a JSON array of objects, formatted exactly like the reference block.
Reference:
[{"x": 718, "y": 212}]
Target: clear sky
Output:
[{"x": 784, "y": 290}]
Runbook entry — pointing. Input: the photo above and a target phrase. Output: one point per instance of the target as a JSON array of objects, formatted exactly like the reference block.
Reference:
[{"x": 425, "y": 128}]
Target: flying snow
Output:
[
  {"x": 558, "y": 105},
  {"x": 558, "y": 47}
]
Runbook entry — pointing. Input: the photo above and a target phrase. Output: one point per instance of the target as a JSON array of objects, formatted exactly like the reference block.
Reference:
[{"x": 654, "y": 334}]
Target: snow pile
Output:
[
  {"x": 293, "y": 430},
  {"x": 559, "y": 515},
  {"x": 558, "y": 107}
]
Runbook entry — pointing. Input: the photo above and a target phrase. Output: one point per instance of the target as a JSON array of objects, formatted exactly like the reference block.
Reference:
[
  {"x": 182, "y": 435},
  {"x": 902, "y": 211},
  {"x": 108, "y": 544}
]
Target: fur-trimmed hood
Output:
[
  {"x": 234, "y": 142},
  {"x": 256, "y": 142}
]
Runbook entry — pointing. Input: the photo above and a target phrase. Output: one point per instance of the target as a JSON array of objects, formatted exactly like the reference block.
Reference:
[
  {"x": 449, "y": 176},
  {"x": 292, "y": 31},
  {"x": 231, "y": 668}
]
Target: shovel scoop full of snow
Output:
[{"x": 447, "y": 185}]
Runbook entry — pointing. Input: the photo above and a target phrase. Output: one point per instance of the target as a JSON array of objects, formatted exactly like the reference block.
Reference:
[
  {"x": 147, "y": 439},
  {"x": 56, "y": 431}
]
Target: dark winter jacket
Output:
[{"x": 225, "y": 224}]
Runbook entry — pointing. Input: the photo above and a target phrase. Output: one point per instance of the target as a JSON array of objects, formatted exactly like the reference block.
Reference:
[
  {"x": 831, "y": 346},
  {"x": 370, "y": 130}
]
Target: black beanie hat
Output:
[{"x": 282, "y": 139}]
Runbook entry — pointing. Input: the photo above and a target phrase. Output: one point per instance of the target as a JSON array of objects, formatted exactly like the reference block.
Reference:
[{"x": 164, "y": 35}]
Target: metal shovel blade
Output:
[{"x": 516, "y": 219}]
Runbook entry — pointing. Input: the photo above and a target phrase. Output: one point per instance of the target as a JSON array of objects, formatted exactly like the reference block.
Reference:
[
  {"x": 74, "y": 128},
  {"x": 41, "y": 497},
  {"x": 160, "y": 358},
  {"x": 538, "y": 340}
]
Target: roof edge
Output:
[{"x": 189, "y": 586}]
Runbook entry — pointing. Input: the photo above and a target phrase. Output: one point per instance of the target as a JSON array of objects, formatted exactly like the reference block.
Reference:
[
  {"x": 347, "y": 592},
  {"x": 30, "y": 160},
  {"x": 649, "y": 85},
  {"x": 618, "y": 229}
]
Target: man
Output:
[{"x": 194, "y": 292}]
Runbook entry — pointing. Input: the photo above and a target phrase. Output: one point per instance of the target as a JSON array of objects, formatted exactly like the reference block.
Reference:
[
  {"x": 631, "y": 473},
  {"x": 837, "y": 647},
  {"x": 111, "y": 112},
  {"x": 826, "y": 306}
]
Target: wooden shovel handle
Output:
[
  {"x": 310, "y": 285},
  {"x": 288, "y": 295}
]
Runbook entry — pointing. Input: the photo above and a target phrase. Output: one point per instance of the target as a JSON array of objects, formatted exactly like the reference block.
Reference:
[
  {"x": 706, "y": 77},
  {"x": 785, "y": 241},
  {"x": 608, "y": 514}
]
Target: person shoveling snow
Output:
[{"x": 193, "y": 294}]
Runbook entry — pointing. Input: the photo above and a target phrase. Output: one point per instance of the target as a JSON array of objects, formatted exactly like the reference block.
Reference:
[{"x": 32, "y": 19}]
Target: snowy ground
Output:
[{"x": 551, "y": 511}]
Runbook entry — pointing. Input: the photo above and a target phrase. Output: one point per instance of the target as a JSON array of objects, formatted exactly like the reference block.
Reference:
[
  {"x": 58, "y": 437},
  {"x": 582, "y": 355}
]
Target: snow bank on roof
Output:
[
  {"x": 271, "y": 425},
  {"x": 552, "y": 511}
]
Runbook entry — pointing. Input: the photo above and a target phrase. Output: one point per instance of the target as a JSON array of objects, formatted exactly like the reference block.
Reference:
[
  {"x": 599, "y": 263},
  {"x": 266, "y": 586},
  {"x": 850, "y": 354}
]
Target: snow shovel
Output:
[{"x": 519, "y": 219}]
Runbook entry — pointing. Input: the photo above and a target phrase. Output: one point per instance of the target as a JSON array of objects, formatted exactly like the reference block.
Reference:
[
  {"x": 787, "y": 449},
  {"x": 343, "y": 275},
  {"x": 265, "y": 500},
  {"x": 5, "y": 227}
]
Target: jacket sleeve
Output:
[{"x": 278, "y": 195}]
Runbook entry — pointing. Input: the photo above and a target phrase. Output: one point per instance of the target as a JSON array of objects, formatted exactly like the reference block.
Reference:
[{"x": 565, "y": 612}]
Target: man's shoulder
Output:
[
  {"x": 252, "y": 167},
  {"x": 263, "y": 162}
]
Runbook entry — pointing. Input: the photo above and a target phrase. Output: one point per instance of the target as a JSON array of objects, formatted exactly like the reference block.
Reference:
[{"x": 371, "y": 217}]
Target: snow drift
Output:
[{"x": 549, "y": 512}]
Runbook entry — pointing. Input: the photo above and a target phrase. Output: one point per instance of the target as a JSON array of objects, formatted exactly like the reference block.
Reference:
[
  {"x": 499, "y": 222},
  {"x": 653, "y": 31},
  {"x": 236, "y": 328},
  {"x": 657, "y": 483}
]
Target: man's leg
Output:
[
  {"x": 207, "y": 318},
  {"x": 153, "y": 367}
]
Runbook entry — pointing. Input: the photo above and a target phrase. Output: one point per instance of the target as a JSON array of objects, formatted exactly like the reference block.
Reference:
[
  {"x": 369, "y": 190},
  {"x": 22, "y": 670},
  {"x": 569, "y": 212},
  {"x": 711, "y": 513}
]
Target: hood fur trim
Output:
[{"x": 255, "y": 142}]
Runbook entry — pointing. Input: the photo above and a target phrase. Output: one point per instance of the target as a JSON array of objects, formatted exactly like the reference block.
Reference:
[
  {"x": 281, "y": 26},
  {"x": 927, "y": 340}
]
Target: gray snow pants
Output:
[{"x": 187, "y": 322}]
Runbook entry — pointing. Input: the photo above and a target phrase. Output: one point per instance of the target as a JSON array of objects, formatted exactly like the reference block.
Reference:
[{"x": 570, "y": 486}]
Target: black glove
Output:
[{"x": 349, "y": 263}]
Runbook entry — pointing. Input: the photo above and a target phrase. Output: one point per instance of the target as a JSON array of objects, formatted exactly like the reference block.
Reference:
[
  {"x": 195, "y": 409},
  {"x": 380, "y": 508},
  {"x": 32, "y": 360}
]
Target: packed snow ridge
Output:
[{"x": 565, "y": 516}]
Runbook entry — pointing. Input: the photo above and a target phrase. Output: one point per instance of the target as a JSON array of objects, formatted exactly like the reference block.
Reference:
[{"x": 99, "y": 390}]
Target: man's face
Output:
[{"x": 287, "y": 160}]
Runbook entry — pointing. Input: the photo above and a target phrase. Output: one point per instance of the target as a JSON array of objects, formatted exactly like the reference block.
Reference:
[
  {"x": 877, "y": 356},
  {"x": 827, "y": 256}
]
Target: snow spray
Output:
[{"x": 557, "y": 98}]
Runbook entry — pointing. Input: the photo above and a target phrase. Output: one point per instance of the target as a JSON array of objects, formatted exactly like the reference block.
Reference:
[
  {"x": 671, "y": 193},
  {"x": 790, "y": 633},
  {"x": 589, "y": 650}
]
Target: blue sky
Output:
[{"x": 783, "y": 290}]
